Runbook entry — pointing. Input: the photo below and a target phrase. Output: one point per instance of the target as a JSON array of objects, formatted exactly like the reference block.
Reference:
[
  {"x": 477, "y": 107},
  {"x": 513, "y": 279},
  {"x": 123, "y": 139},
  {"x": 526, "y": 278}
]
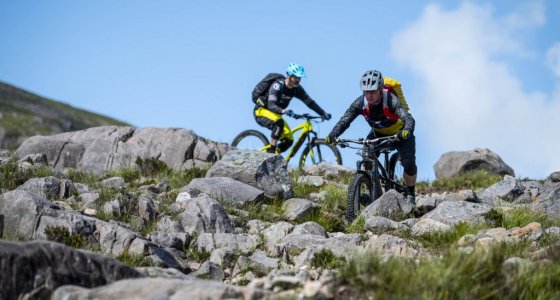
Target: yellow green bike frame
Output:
[{"x": 306, "y": 133}]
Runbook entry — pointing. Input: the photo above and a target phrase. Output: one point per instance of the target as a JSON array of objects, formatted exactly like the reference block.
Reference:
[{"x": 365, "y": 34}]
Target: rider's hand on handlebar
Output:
[
  {"x": 289, "y": 112},
  {"x": 330, "y": 139},
  {"x": 326, "y": 116},
  {"x": 403, "y": 134}
]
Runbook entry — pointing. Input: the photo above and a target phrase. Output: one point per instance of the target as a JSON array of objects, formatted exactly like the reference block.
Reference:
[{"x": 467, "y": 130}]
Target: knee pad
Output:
[
  {"x": 409, "y": 166},
  {"x": 285, "y": 144},
  {"x": 277, "y": 129}
]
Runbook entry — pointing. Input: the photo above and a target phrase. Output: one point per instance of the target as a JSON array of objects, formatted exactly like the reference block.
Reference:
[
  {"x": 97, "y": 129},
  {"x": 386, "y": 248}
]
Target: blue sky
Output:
[{"x": 477, "y": 74}]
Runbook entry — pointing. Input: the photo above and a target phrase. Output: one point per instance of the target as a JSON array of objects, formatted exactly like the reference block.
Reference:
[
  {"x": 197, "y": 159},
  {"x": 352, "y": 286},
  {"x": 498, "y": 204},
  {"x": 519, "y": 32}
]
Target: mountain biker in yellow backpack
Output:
[
  {"x": 387, "y": 114},
  {"x": 272, "y": 96}
]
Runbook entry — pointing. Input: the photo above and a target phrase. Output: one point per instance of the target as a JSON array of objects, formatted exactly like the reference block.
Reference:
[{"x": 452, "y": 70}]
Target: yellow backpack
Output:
[{"x": 395, "y": 86}]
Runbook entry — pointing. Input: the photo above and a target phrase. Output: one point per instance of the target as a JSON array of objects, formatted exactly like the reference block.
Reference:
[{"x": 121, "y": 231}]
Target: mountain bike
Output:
[
  {"x": 373, "y": 177},
  {"x": 316, "y": 149}
]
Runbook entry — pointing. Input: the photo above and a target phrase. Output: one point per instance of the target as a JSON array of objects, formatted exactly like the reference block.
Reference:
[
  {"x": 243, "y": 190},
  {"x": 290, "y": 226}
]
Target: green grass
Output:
[
  {"x": 471, "y": 180},
  {"x": 273, "y": 212},
  {"x": 333, "y": 207},
  {"x": 198, "y": 256},
  {"x": 62, "y": 235},
  {"x": 442, "y": 240},
  {"x": 326, "y": 259},
  {"x": 11, "y": 176},
  {"x": 519, "y": 217},
  {"x": 134, "y": 260},
  {"x": 357, "y": 226},
  {"x": 329, "y": 221},
  {"x": 457, "y": 275}
]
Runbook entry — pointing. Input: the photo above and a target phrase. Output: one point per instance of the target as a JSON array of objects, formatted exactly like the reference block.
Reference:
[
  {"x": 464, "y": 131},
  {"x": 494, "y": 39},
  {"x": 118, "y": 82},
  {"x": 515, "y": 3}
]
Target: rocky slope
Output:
[
  {"x": 23, "y": 114},
  {"x": 222, "y": 235}
]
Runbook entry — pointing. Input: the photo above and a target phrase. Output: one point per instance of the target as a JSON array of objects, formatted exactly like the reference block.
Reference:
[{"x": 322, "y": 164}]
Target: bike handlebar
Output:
[
  {"x": 306, "y": 116},
  {"x": 381, "y": 140}
]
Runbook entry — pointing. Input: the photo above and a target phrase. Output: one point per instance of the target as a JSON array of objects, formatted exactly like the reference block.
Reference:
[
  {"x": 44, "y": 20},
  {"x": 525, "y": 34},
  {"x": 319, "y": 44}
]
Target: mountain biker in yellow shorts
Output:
[
  {"x": 273, "y": 104},
  {"x": 387, "y": 115}
]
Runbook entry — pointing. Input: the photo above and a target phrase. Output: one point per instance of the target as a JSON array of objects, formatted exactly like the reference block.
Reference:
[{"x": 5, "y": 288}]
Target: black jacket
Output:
[
  {"x": 279, "y": 97},
  {"x": 376, "y": 118}
]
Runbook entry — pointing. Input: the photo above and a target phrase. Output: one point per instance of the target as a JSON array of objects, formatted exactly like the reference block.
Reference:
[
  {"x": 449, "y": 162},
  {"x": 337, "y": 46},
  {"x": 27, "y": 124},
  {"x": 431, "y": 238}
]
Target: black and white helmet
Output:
[{"x": 372, "y": 80}]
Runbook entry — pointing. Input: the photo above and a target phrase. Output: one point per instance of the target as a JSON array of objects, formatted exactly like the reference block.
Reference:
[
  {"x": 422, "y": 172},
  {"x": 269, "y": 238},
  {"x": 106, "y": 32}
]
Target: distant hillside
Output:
[{"x": 23, "y": 114}]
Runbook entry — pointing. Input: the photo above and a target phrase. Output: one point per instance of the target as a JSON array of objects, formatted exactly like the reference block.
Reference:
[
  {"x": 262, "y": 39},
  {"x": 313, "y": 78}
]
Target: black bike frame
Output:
[{"x": 378, "y": 170}]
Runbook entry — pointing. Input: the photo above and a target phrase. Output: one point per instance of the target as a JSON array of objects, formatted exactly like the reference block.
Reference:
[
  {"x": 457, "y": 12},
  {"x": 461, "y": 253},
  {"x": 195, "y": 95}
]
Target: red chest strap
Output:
[{"x": 386, "y": 110}]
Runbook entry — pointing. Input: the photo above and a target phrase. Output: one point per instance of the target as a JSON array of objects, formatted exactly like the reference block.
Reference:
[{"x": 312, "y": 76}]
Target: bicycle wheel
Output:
[
  {"x": 396, "y": 168},
  {"x": 320, "y": 151},
  {"x": 250, "y": 139},
  {"x": 359, "y": 195}
]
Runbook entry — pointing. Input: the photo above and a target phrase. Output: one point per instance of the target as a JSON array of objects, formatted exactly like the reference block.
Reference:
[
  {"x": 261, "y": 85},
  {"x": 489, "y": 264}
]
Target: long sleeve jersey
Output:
[
  {"x": 279, "y": 97},
  {"x": 378, "y": 116}
]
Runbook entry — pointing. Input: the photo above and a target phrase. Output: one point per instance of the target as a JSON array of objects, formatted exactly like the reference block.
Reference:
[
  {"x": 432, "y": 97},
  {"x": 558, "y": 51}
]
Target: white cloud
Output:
[
  {"x": 528, "y": 14},
  {"x": 471, "y": 97},
  {"x": 553, "y": 58}
]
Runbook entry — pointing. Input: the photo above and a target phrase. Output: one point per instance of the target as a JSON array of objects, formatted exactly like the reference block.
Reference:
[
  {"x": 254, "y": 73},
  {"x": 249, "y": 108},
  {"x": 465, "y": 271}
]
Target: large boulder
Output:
[
  {"x": 452, "y": 164},
  {"x": 33, "y": 270},
  {"x": 224, "y": 189},
  {"x": 264, "y": 171},
  {"x": 159, "y": 288},
  {"x": 105, "y": 148}
]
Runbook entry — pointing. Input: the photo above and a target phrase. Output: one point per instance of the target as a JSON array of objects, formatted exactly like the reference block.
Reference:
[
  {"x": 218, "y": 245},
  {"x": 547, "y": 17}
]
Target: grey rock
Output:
[
  {"x": 33, "y": 270},
  {"x": 277, "y": 232},
  {"x": 382, "y": 224},
  {"x": 242, "y": 243},
  {"x": 508, "y": 189},
  {"x": 146, "y": 208},
  {"x": 263, "y": 171},
  {"x": 156, "y": 289},
  {"x": 115, "y": 182},
  {"x": 391, "y": 205},
  {"x": 165, "y": 273},
  {"x": 554, "y": 177},
  {"x": 22, "y": 211},
  {"x": 386, "y": 244},
  {"x": 179, "y": 240},
  {"x": 452, "y": 164},
  {"x": 167, "y": 224},
  {"x": 310, "y": 228},
  {"x": 82, "y": 188},
  {"x": 112, "y": 207},
  {"x": 204, "y": 214},
  {"x": 299, "y": 209},
  {"x": 210, "y": 270},
  {"x": 257, "y": 226},
  {"x": 224, "y": 189},
  {"x": 312, "y": 180},
  {"x": 452, "y": 212},
  {"x": 35, "y": 159},
  {"x": 223, "y": 257},
  {"x": 549, "y": 203},
  {"x": 326, "y": 169},
  {"x": 553, "y": 230},
  {"x": 106, "y": 148},
  {"x": 258, "y": 263},
  {"x": 47, "y": 187},
  {"x": 427, "y": 226}
]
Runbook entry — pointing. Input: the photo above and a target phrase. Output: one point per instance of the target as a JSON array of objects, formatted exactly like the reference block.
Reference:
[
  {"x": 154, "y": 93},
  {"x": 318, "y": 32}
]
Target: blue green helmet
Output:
[{"x": 295, "y": 70}]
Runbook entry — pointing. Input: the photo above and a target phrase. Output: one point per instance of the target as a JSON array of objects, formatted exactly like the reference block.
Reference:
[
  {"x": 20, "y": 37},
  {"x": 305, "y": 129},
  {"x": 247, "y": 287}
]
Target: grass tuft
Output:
[{"x": 326, "y": 259}]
